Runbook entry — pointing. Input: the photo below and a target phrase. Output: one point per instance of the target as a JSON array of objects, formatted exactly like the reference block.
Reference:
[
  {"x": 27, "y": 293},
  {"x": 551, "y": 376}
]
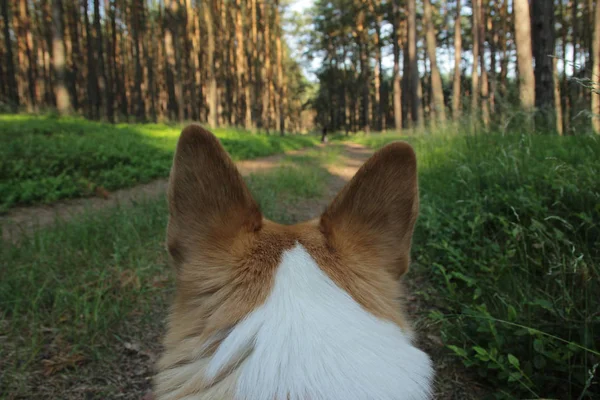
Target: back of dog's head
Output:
[{"x": 308, "y": 311}]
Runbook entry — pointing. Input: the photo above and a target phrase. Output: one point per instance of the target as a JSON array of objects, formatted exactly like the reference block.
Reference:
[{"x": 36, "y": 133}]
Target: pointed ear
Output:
[
  {"x": 209, "y": 203},
  {"x": 372, "y": 219}
]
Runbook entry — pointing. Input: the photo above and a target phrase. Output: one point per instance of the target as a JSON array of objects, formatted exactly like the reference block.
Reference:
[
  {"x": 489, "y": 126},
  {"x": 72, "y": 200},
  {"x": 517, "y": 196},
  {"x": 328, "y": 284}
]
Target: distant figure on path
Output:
[{"x": 324, "y": 134}]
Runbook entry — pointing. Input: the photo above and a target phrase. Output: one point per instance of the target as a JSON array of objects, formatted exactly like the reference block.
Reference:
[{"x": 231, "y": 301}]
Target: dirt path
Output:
[{"x": 21, "y": 221}]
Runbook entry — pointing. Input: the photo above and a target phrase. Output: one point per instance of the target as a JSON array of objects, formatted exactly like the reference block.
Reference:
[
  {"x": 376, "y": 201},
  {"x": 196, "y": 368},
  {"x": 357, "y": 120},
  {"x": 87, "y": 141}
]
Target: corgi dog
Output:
[{"x": 264, "y": 311}]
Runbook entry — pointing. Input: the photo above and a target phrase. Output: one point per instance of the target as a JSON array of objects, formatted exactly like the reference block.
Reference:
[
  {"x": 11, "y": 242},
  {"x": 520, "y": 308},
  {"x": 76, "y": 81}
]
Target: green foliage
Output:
[
  {"x": 509, "y": 241},
  {"x": 44, "y": 159}
]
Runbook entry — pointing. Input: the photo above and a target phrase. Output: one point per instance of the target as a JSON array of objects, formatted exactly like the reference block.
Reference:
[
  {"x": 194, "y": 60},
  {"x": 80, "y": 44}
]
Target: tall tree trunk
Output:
[
  {"x": 557, "y": 102},
  {"x": 99, "y": 59},
  {"x": 504, "y": 15},
  {"x": 575, "y": 89},
  {"x": 456, "y": 92},
  {"x": 212, "y": 76},
  {"x": 63, "y": 101},
  {"x": 13, "y": 93},
  {"x": 436, "y": 79},
  {"x": 396, "y": 76},
  {"x": 3, "y": 88},
  {"x": 152, "y": 61},
  {"x": 77, "y": 59},
  {"x": 566, "y": 101},
  {"x": 362, "y": 39},
  {"x": 596, "y": 73},
  {"x": 266, "y": 92},
  {"x": 137, "y": 11},
  {"x": 191, "y": 48},
  {"x": 414, "y": 80},
  {"x": 243, "y": 67},
  {"x": 475, "y": 88},
  {"x": 173, "y": 14},
  {"x": 281, "y": 95},
  {"x": 524, "y": 54},
  {"x": 485, "y": 110},
  {"x": 493, "y": 29},
  {"x": 92, "y": 79},
  {"x": 26, "y": 60},
  {"x": 543, "y": 49},
  {"x": 109, "y": 11},
  {"x": 188, "y": 32},
  {"x": 379, "y": 119},
  {"x": 255, "y": 66}
]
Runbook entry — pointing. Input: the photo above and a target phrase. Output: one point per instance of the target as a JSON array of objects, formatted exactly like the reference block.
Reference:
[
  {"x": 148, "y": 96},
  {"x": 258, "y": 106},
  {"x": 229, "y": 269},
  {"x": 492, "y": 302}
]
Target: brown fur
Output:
[{"x": 225, "y": 253}]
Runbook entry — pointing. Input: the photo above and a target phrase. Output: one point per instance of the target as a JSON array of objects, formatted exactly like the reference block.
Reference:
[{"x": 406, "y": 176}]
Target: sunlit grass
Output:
[{"x": 44, "y": 159}]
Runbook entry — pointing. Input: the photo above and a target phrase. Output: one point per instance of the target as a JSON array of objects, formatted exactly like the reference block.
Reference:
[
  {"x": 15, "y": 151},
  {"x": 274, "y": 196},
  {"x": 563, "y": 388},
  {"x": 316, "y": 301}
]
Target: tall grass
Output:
[
  {"x": 44, "y": 159},
  {"x": 509, "y": 241}
]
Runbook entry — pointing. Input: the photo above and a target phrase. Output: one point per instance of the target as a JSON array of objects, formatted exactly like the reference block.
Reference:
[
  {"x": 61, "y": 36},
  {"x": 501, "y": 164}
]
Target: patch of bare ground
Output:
[{"x": 127, "y": 373}]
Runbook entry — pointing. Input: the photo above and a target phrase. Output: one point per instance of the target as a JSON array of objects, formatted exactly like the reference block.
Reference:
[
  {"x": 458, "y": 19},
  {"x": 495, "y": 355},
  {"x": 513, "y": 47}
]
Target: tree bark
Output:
[
  {"x": 557, "y": 102},
  {"x": 524, "y": 54},
  {"x": 26, "y": 60},
  {"x": 492, "y": 28},
  {"x": 396, "y": 73},
  {"x": 379, "y": 119},
  {"x": 437, "y": 90},
  {"x": 63, "y": 101},
  {"x": 12, "y": 90},
  {"x": 172, "y": 42},
  {"x": 543, "y": 50},
  {"x": 257, "y": 119},
  {"x": 456, "y": 92},
  {"x": 110, "y": 63},
  {"x": 485, "y": 108},
  {"x": 475, "y": 85},
  {"x": 266, "y": 72},
  {"x": 504, "y": 15},
  {"x": 137, "y": 11},
  {"x": 77, "y": 59},
  {"x": 362, "y": 42},
  {"x": 595, "y": 103},
  {"x": 281, "y": 80},
  {"x": 99, "y": 60},
  {"x": 92, "y": 79},
  {"x": 212, "y": 78},
  {"x": 414, "y": 80}
]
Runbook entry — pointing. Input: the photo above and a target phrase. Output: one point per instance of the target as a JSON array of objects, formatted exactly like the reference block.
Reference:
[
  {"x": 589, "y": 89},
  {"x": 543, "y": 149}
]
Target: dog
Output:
[{"x": 264, "y": 311}]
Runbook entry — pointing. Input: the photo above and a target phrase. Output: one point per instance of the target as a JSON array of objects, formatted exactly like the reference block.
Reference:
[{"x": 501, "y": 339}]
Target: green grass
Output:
[
  {"x": 44, "y": 159},
  {"x": 71, "y": 287},
  {"x": 509, "y": 242}
]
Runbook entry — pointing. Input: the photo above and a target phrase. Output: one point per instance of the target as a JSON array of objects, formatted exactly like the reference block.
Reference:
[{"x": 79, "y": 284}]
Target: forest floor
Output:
[{"x": 120, "y": 365}]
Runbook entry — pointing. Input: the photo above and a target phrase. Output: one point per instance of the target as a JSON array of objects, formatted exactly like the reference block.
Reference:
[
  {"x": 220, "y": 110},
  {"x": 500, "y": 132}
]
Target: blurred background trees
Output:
[
  {"x": 218, "y": 61},
  {"x": 378, "y": 64}
]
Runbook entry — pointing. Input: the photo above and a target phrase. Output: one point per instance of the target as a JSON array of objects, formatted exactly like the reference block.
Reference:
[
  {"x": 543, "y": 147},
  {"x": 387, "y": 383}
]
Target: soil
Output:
[{"x": 130, "y": 373}]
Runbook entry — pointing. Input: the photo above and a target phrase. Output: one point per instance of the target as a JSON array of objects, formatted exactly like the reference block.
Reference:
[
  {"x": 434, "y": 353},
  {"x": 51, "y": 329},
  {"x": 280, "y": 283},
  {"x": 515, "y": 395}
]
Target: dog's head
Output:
[{"x": 308, "y": 311}]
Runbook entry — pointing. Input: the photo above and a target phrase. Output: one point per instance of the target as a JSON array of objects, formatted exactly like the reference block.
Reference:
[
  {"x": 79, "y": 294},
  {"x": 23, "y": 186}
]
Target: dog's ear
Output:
[
  {"x": 209, "y": 203},
  {"x": 372, "y": 219}
]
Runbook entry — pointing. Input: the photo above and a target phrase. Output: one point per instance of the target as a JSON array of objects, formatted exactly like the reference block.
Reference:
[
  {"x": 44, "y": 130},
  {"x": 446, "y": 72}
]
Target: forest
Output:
[
  {"x": 383, "y": 64},
  {"x": 500, "y": 99}
]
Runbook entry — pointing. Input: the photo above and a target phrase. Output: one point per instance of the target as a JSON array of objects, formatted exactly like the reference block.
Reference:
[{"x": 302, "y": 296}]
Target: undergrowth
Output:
[
  {"x": 45, "y": 159},
  {"x": 509, "y": 240}
]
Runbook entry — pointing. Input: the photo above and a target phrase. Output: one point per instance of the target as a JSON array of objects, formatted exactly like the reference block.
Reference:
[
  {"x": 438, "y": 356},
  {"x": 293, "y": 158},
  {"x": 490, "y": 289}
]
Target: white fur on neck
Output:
[{"x": 311, "y": 340}]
